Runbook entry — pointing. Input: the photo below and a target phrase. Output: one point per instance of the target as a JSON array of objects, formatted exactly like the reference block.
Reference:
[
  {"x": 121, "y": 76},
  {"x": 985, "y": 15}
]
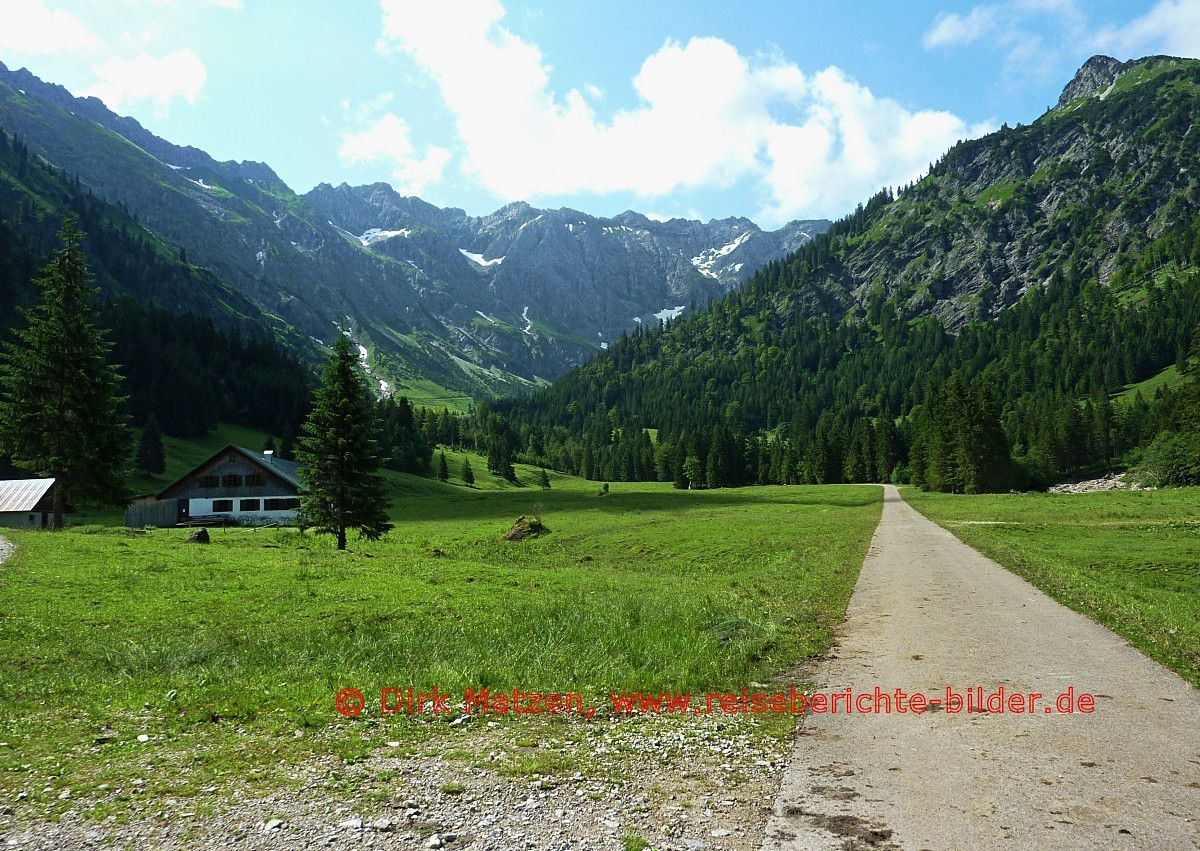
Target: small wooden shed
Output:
[{"x": 26, "y": 503}]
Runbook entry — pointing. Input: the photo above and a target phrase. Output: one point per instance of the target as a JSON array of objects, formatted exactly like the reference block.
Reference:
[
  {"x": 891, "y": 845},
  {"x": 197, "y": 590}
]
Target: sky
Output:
[{"x": 767, "y": 109}]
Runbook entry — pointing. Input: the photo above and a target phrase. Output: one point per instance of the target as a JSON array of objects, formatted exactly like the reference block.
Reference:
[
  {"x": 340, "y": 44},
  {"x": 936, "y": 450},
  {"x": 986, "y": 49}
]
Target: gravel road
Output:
[{"x": 930, "y": 612}]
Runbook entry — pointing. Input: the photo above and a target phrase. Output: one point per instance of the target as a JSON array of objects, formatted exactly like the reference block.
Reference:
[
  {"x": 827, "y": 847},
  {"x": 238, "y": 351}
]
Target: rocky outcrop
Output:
[{"x": 1096, "y": 75}]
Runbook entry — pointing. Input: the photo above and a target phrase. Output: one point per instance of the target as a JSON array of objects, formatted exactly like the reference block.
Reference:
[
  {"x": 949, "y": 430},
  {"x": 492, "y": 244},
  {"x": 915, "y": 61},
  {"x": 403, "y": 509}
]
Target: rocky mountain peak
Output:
[{"x": 1096, "y": 75}]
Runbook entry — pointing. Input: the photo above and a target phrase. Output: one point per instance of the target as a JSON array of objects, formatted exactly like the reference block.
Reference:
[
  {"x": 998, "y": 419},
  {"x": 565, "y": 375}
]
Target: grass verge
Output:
[{"x": 1128, "y": 559}]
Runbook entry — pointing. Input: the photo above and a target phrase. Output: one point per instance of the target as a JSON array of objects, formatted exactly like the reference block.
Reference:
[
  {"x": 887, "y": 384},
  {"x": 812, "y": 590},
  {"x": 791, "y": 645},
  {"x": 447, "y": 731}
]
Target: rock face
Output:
[
  {"x": 522, "y": 274},
  {"x": 1002, "y": 214},
  {"x": 1096, "y": 75},
  {"x": 475, "y": 304}
]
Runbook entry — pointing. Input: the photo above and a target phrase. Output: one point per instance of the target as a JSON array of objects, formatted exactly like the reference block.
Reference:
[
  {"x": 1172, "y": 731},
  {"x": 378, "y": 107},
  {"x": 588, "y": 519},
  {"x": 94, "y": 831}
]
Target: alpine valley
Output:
[{"x": 444, "y": 306}]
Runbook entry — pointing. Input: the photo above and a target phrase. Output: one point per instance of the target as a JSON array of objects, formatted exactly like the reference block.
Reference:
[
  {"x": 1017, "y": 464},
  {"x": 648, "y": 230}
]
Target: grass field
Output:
[
  {"x": 1131, "y": 560},
  {"x": 225, "y": 654},
  {"x": 1169, "y": 377}
]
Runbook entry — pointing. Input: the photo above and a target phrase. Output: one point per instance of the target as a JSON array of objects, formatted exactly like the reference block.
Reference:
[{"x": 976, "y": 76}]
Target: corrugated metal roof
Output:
[{"x": 23, "y": 494}]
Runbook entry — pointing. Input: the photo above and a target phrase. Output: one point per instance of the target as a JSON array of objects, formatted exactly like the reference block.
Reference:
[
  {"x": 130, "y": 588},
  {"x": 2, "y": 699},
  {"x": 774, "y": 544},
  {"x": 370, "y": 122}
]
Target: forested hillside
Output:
[
  {"x": 192, "y": 350},
  {"x": 1027, "y": 278}
]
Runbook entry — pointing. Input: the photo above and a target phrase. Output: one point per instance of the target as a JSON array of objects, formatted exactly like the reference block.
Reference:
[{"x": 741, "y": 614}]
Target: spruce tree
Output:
[
  {"x": 338, "y": 451},
  {"x": 468, "y": 475},
  {"x": 151, "y": 457},
  {"x": 287, "y": 447},
  {"x": 544, "y": 480},
  {"x": 443, "y": 471},
  {"x": 60, "y": 412},
  {"x": 500, "y": 460}
]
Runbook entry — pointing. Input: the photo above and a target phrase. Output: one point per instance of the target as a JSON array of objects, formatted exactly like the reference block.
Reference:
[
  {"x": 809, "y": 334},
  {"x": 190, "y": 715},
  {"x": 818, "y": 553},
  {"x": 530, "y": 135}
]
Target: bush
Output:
[
  {"x": 1171, "y": 460},
  {"x": 1037, "y": 470}
]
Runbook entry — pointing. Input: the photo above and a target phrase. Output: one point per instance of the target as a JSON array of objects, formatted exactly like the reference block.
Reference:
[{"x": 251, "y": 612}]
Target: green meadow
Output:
[
  {"x": 1128, "y": 559},
  {"x": 229, "y": 655}
]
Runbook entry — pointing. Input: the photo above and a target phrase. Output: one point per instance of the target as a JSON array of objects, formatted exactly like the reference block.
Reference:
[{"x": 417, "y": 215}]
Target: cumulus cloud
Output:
[
  {"x": 707, "y": 117},
  {"x": 158, "y": 79},
  {"x": 1171, "y": 27},
  {"x": 29, "y": 27},
  {"x": 389, "y": 141}
]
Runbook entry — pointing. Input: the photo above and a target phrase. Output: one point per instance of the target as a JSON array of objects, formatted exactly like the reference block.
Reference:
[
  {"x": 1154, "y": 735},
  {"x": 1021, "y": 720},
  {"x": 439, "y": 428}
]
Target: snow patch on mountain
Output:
[
  {"x": 374, "y": 235},
  {"x": 478, "y": 258},
  {"x": 706, "y": 261},
  {"x": 670, "y": 313}
]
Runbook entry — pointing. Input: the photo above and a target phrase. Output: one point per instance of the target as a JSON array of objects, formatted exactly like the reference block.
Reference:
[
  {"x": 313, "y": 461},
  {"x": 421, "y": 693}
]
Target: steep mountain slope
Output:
[
  {"x": 128, "y": 260},
  {"x": 424, "y": 290},
  {"x": 179, "y": 333},
  {"x": 1058, "y": 261}
]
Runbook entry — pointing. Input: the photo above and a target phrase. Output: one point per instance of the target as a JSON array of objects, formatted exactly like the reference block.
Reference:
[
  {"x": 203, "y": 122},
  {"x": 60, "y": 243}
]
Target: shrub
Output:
[{"x": 1171, "y": 460}]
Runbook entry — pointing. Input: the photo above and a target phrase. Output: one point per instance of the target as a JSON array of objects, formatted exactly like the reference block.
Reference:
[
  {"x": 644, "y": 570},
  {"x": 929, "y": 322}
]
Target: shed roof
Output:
[{"x": 23, "y": 494}]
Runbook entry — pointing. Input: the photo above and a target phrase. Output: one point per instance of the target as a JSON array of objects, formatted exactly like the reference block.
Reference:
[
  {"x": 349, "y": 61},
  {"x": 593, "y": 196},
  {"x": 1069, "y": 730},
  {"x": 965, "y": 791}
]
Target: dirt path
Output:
[
  {"x": 6, "y": 549},
  {"x": 929, "y": 611}
]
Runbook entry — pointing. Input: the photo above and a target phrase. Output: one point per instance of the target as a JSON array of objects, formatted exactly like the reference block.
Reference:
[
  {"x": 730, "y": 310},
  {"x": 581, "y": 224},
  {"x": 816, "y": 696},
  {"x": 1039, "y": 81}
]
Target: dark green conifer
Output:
[
  {"x": 60, "y": 412},
  {"x": 339, "y": 452}
]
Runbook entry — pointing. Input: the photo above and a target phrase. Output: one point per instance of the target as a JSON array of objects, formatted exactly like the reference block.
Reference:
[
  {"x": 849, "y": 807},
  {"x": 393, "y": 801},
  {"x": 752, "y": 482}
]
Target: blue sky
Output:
[{"x": 773, "y": 110}]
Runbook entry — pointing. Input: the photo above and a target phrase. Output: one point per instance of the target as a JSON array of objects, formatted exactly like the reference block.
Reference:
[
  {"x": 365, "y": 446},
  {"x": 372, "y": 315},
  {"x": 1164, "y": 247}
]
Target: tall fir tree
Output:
[
  {"x": 544, "y": 480},
  {"x": 468, "y": 475},
  {"x": 60, "y": 412},
  {"x": 151, "y": 456},
  {"x": 443, "y": 470},
  {"x": 339, "y": 454}
]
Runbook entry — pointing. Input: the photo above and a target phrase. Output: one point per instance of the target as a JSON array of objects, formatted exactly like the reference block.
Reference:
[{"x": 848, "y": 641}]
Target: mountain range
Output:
[{"x": 443, "y": 305}]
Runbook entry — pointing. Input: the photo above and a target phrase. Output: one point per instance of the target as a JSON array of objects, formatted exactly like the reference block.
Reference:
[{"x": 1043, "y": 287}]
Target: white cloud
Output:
[
  {"x": 388, "y": 141},
  {"x": 158, "y": 79},
  {"x": 951, "y": 29},
  {"x": 708, "y": 117},
  {"x": 852, "y": 144},
  {"x": 29, "y": 27},
  {"x": 1039, "y": 36},
  {"x": 1033, "y": 36},
  {"x": 1171, "y": 27}
]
